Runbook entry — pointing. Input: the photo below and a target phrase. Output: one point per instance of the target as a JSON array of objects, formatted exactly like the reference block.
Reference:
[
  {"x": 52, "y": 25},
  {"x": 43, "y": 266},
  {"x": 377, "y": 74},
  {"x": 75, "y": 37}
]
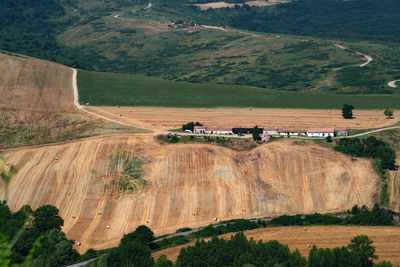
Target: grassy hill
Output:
[
  {"x": 125, "y": 37},
  {"x": 112, "y": 89}
]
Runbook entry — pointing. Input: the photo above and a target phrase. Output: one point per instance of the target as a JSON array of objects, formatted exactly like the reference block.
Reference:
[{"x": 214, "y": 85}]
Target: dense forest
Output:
[{"x": 360, "y": 19}]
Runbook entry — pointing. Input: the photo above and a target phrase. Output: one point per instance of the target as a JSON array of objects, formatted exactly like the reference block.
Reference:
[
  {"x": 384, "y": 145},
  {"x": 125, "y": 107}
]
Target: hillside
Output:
[
  {"x": 187, "y": 185},
  {"x": 31, "y": 84},
  {"x": 36, "y": 104},
  {"x": 246, "y": 45}
]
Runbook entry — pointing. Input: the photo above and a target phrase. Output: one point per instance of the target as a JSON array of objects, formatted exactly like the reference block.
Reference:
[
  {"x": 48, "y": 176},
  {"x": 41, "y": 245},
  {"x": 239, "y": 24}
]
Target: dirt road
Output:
[
  {"x": 386, "y": 239},
  {"x": 81, "y": 108},
  {"x": 369, "y": 58},
  {"x": 393, "y": 83}
]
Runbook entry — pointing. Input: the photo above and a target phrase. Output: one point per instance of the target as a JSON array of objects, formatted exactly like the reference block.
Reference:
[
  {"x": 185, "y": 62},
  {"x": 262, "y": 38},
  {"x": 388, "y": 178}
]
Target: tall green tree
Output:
[
  {"x": 142, "y": 233},
  {"x": 132, "y": 253},
  {"x": 389, "y": 112},
  {"x": 347, "y": 111},
  {"x": 47, "y": 219},
  {"x": 362, "y": 246},
  {"x": 256, "y": 133}
]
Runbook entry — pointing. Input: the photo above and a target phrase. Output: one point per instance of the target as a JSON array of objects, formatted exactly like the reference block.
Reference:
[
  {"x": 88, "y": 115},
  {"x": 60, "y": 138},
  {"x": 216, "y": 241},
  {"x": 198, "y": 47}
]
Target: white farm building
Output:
[{"x": 320, "y": 132}]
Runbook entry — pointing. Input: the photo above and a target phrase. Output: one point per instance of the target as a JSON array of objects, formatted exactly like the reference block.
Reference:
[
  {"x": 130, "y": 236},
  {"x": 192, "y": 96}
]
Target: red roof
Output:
[{"x": 321, "y": 130}]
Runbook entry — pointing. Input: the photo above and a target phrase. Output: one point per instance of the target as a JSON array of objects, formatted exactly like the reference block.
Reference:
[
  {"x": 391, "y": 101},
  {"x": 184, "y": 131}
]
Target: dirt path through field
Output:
[
  {"x": 369, "y": 58},
  {"x": 81, "y": 108},
  {"x": 393, "y": 83},
  {"x": 386, "y": 239}
]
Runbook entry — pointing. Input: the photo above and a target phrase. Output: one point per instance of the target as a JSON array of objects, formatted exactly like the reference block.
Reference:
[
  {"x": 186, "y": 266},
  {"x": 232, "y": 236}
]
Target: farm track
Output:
[
  {"x": 367, "y": 57},
  {"x": 393, "y": 83}
]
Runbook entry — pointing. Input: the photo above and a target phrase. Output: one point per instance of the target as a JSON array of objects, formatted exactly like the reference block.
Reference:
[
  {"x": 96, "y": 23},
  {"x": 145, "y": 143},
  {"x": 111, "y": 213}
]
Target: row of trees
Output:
[
  {"x": 239, "y": 251},
  {"x": 369, "y": 147},
  {"x": 357, "y": 216}
]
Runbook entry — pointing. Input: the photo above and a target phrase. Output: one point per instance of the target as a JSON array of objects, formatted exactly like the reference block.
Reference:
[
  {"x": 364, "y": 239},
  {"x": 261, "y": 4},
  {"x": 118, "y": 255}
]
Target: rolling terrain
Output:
[
  {"x": 187, "y": 185},
  {"x": 34, "y": 85},
  {"x": 36, "y": 104},
  {"x": 385, "y": 239}
]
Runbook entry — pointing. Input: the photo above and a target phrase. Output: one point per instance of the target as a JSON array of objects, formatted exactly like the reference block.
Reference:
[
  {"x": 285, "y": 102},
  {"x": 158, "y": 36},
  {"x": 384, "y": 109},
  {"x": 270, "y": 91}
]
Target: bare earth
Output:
[
  {"x": 154, "y": 118},
  {"x": 189, "y": 185},
  {"x": 386, "y": 239}
]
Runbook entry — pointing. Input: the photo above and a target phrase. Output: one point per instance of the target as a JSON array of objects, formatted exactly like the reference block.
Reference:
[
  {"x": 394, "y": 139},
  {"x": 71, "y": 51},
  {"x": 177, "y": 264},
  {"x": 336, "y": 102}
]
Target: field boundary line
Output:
[{"x": 81, "y": 108}]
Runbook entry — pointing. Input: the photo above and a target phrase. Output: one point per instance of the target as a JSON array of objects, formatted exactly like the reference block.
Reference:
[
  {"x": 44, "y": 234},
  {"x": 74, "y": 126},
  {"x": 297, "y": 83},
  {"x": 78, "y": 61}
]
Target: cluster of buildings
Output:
[{"x": 270, "y": 132}]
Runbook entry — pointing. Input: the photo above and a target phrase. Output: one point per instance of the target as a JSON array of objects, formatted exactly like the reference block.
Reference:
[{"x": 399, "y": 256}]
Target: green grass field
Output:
[{"x": 108, "y": 89}]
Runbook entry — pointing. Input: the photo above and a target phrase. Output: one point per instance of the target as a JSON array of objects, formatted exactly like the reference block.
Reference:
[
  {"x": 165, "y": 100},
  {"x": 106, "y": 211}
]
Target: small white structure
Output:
[
  {"x": 289, "y": 132},
  {"x": 200, "y": 129},
  {"x": 320, "y": 132},
  {"x": 343, "y": 133},
  {"x": 270, "y": 131},
  {"x": 219, "y": 130},
  {"x": 265, "y": 137}
]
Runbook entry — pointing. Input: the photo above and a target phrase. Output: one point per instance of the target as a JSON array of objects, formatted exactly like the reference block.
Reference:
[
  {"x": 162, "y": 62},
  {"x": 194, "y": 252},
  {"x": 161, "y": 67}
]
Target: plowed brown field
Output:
[
  {"x": 386, "y": 239},
  {"x": 171, "y": 118},
  {"x": 188, "y": 186}
]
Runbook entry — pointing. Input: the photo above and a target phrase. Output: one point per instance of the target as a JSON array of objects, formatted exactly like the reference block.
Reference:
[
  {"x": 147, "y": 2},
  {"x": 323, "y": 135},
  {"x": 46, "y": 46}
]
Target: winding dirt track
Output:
[
  {"x": 189, "y": 185},
  {"x": 367, "y": 57},
  {"x": 393, "y": 83}
]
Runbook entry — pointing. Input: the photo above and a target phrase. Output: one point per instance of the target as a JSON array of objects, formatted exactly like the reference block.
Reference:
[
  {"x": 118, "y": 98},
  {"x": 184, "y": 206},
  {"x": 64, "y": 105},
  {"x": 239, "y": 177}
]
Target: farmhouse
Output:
[
  {"x": 320, "y": 132},
  {"x": 212, "y": 130},
  {"x": 219, "y": 130},
  {"x": 199, "y": 129},
  {"x": 290, "y": 132},
  {"x": 270, "y": 131},
  {"x": 343, "y": 133}
]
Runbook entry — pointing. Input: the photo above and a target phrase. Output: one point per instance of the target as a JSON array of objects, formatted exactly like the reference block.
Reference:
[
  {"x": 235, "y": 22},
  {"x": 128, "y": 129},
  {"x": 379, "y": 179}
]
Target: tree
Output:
[
  {"x": 328, "y": 139},
  {"x": 256, "y": 133},
  {"x": 361, "y": 245},
  {"x": 132, "y": 253},
  {"x": 6, "y": 173},
  {"x": 389, "y": 112},
  {"x": 142, "y": 233},
  {"x": 163, "y": 262},
  {"x": 190, "y": 126},
  {"x": 46, "y": 219},
  {"x": 347, "y": 111}
]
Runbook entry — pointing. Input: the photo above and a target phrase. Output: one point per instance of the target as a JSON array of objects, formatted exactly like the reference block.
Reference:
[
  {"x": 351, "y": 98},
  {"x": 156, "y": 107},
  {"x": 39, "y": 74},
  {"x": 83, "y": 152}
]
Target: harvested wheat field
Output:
[
  {"x": 187, "y": 184},
  {"x": 29, "y": 84},
  {"x": 231, "y": 5},
  {"x": 386, "y": 239},
  {"x": 171, "y": 118}
]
